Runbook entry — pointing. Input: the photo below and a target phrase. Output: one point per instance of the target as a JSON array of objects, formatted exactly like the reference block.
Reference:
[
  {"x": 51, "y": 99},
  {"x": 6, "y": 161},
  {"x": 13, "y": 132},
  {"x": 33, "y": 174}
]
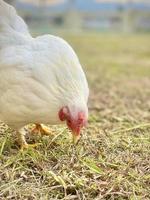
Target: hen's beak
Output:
[{"x": 75, "y": 138}]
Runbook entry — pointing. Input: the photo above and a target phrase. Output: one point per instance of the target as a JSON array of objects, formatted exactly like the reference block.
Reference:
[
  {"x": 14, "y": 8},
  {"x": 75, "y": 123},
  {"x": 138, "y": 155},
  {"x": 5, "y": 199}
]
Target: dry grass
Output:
[{"x": 112, "y": 159}]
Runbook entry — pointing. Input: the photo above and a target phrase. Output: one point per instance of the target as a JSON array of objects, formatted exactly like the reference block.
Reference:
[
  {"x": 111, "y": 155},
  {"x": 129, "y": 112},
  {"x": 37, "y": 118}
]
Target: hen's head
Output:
[{"x": 75, "y": 119}]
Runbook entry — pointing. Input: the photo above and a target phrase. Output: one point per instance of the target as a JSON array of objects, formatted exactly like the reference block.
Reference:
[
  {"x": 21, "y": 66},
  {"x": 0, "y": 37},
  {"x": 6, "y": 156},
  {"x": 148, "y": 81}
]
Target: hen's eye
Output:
[{"x": 69, "y": 121}]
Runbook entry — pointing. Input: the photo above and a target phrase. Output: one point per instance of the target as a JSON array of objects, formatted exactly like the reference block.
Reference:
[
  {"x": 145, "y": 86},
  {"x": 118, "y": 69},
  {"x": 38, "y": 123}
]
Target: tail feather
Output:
[{"x": 10, "y": 20}]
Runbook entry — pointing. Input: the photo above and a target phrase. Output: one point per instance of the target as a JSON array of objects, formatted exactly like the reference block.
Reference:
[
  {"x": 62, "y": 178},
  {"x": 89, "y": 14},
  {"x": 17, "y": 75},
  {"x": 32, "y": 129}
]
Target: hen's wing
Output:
[{"x": 23, "y": 97}]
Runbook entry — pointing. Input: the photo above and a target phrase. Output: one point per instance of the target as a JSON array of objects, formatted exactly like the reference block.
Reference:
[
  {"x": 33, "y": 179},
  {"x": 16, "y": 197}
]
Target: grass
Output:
[{"x": 112, "y": 160}]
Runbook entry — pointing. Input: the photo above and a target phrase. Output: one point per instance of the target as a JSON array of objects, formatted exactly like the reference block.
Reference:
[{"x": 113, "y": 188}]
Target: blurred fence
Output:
[{"x": 102, "y": 15}]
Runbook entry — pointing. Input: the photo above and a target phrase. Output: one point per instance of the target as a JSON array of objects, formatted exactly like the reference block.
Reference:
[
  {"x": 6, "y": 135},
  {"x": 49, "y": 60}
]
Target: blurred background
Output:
[{"x": 79, "y": 15}]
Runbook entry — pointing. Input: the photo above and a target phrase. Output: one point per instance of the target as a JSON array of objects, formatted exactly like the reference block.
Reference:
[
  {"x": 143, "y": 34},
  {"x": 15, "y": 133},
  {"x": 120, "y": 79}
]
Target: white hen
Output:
[{"x": 41, "y": 79}]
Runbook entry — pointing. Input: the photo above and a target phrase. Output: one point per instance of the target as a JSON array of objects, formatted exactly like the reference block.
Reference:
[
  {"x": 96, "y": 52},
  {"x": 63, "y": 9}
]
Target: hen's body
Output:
[
  {"x": 38, "y": 76},
  {"x": 35, "y": 81}
]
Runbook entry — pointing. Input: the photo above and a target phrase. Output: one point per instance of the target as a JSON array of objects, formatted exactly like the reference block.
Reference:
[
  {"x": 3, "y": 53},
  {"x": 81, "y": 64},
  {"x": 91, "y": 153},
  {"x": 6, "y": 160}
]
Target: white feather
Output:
[{"x": 37, "y": 75}]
